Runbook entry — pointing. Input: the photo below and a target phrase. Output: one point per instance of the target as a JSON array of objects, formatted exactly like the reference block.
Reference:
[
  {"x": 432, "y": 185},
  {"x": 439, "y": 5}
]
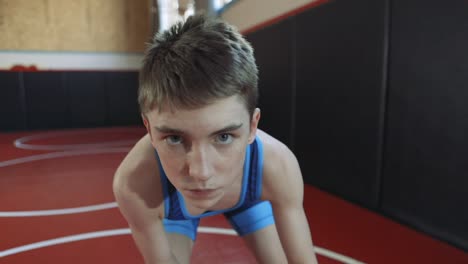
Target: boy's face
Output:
[{"x": 202, "y": 150}]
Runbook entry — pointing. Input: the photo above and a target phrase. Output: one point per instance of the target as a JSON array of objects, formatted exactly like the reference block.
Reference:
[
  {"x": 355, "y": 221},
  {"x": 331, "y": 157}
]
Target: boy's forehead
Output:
[
  {"x": 218, "y": 113},
  {"x": 229, "y": 104}
]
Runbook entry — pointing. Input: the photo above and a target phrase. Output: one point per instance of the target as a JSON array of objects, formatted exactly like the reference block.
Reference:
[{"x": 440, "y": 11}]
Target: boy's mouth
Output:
[{"x": 201, "y": 193}]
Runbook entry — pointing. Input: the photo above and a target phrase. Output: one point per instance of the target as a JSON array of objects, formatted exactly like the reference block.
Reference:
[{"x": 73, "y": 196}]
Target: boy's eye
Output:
[
  {"x": 224, "y": 138},
  {"x": 173, "y": 140}
]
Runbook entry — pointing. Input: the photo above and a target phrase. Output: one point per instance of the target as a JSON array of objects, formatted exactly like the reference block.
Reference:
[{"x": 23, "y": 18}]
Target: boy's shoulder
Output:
[
  {"x": 281, "y": 170},
  {"x": 281, "y": 173},
  {"x": 274, "y": 150},
  {"x": 135, "y": 176}
]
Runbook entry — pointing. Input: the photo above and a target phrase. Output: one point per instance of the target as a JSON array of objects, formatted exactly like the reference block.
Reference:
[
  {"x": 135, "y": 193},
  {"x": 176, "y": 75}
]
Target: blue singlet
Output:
[{"x": 248, "y": 215}]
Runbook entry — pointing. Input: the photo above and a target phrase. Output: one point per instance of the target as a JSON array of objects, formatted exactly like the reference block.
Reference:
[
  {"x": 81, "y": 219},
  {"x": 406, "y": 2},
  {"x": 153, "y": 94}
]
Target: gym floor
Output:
[{"x": 57, "y": 206}]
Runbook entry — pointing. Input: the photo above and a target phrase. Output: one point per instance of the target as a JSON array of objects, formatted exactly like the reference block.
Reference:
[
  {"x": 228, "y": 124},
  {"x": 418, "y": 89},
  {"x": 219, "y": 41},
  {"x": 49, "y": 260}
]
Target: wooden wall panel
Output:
[{"x": 75, "y": 25}]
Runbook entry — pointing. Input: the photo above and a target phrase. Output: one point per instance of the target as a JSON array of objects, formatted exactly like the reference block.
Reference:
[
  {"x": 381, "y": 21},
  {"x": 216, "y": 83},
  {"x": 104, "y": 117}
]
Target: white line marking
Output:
[
  {"x": 21, "y": 142},
  {"x": 74, "y": 146},
  {"x": 63, "y": 240},
  {"x": 216, "y": 230},
  {"x": 61, "y": 154},
  {"x": 64, "y": 211},
  {"x": 126, "y": 231},
  {"x": 336, "y": 256}
]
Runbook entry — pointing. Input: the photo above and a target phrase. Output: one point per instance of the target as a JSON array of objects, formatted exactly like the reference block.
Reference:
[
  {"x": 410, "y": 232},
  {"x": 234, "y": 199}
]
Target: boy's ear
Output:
[
  {"x": 254, "y": 124},
  {"x": 146, "y": 123},
  {"x": 147, "y": 126}
]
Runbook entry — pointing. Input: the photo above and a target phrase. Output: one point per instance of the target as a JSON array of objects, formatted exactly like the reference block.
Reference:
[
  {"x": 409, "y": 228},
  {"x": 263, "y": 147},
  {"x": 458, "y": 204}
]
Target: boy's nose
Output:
[{"x": 199, "y": 165}]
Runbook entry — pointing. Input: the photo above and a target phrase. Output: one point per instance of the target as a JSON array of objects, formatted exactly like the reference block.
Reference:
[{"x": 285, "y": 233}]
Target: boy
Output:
[{"x": 203, "y": 154}]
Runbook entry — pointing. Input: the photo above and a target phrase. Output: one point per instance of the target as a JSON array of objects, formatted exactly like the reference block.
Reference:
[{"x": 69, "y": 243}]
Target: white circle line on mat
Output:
[
  {"x": 74, "y": 146},
  {"x": 64, "y": 211},
  {"x": 61, "y": 154},
  {"x": 126, "y": 231},
  {"x": 21, "y": 142}
]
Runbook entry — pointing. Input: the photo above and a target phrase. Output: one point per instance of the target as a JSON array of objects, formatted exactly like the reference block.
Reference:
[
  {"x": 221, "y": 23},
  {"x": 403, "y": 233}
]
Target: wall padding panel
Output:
[
  {"x": 274, "y": 56},
  {"x": 425, "y": 180},
  {"x": 58, "y": 100},
  {"x": 47, "y": 103},
  {"x": 87, "y": 97},
  {"x": 122, "y": 98},
  {"x": 340, "y": 94},
  {"x": 12, "y": 109}
]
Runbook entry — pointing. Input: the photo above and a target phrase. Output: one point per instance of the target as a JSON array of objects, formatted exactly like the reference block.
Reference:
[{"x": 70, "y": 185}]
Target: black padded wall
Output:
[
  {"x": 57, "y": 100},
  {"x": 87, "y": 98},
  {"x": 340, "y": 94},
  {"x": 121, "y": 89},
  {"x": 46, "y": 100},
  {"x": 274, "y": 57},
  {"x": 425, "y": 180},
  {"x": 12, "y": 105}
]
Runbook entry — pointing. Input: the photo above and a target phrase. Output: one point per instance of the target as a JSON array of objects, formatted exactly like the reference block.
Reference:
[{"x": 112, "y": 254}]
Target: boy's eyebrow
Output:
[
  {"x": 227, "y": 128},
  {"x": 169, "y": 130}
]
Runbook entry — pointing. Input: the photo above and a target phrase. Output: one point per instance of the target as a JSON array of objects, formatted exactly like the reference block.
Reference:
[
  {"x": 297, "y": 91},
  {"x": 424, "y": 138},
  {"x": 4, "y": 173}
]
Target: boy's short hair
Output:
[{"x": 196, "y": 62}]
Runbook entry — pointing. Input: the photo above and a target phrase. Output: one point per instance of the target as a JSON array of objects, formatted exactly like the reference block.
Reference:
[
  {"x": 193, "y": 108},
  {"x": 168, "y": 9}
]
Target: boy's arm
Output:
[
  {"x": 136, "y": 186},
  {"x": 291, "y": 222},
  {"x": 147, "y": 229},
  {"x": 284, "y": 187}
]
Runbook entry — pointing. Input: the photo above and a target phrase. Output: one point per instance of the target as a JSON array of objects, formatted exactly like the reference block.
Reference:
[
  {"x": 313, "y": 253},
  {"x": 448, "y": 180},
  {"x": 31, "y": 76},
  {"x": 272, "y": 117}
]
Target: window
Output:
[{"x": 219, "y": 4}]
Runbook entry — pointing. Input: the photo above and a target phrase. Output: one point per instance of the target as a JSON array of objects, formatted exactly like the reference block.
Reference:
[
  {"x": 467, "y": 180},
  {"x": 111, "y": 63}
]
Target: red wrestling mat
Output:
[{"x": 58, "y": 207}]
